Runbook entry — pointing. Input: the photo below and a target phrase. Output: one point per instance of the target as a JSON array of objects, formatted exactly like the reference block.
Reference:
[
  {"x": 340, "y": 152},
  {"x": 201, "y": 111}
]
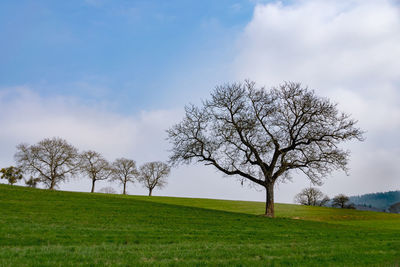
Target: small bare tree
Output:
[
  {"x": 154, "y": 174},
  {"x": 262, "y": 135},
  {"x": 311, "y": 197},
  {"x": 107, "y": 190},
  {"x": 341, "y": 201},
  {"x": 95, "y": 166},
  {"x": 32, "y": 182},
  {"x": 51, "y": 160},
  {"x": 124, "y": 171}
]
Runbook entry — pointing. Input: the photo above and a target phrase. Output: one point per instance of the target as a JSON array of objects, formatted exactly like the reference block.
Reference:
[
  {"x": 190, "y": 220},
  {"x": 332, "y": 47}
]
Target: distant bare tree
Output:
[
  {"x": 154, "y": 174},
  {"x": 262, "y": 135},
  {"x": 324, "y": 201},
  {"x": 108, "y": 190},
  {"x": 32, "y": 182},
  {"x": 341, "y": 201},
  {"x": 11, "y": 174},
  {"x": 124, "y": 171},
  {"x": 52, "y": 160},
  {"x": 311, "y": 197},
  {"x": 95, "y": 166}
]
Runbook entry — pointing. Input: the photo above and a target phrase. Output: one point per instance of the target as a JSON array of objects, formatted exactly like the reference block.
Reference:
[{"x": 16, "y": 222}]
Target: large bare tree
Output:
[
  {"x": 154, "y": 174},
  {"x": 52, "y": 160},
  {"x": 262, "y": 135},
  {"x": 95, "y": 166},
  {"x": 124, "y": 171}
]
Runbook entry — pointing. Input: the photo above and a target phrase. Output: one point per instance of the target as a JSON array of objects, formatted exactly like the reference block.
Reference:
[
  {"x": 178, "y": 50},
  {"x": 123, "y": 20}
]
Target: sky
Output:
[{"x": 112, "y": 76}]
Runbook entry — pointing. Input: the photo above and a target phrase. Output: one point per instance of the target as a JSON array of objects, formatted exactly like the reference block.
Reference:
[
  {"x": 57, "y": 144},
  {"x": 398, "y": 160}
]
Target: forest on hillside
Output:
[{"x": 377, "y": 201}]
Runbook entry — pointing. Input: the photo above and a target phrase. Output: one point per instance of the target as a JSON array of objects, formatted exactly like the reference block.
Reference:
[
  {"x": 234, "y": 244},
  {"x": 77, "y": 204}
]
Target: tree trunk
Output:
[
  {"x": 93, "y": 181},
  {"x": 124, "y": 192},
  {"x": 269, "y": 205},
  {"x": 52, "y": 185},
  {"x": 150, "y": 190}
]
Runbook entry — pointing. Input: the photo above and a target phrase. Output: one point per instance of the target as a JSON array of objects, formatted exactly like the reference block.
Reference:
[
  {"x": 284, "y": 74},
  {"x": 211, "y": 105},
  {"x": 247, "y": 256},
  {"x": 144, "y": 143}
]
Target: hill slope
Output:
[
  {"x": 289, "y": 211},
  {"x": 48, "y": 228}
]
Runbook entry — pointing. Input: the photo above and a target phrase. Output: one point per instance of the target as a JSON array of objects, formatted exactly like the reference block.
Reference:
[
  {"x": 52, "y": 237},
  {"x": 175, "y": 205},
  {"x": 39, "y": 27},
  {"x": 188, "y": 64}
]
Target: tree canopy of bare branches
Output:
[
  {"x": 154, "y": 174},
  {"x": 124, "y": 171},
  {"x": 262, "y": 135},
  {"x": 51, "y": 160},
  {"x": 311, "y": 197},
  {"x": 95, "y": 166}
]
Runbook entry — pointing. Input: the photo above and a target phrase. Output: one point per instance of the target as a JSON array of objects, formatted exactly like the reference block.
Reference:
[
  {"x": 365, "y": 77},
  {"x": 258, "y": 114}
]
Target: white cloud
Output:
[
  {"x": 348, "y": 51},
  {"x": 322, "y": 42},
  {"x": 29, "y": 118}
]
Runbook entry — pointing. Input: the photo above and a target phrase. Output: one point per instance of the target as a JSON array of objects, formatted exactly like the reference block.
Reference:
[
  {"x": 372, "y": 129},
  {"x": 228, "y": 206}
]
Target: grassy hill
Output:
[{"x": 50, "y": 228}]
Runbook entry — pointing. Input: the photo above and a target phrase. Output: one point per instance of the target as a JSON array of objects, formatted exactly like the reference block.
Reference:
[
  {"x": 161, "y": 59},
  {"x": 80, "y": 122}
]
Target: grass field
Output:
[{"x": 52, "y": 228}]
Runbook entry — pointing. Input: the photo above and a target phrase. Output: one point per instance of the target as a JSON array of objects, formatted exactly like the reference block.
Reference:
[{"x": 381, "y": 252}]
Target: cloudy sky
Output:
[{"x": 112, "y": 76}]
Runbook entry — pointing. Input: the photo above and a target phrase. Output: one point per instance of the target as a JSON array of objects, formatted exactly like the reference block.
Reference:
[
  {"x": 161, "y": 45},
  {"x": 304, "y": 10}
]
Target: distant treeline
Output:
[{"x": 381, "y": 200}]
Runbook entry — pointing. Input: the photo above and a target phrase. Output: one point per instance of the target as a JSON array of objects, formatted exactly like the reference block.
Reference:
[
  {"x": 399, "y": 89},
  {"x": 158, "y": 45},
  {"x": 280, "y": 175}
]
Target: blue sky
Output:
[
  {"x": 137, "y": 54},
  {"x": 112, "y": 76}
]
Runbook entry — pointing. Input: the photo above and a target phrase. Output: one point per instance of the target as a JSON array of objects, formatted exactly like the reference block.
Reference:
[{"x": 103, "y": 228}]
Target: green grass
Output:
[
  {"x": 53, "y": 228},
  {"x": 369, "y": 219}
]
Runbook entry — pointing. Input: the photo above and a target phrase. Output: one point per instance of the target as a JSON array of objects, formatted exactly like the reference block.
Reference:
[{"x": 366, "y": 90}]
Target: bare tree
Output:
[
  {"x": 154, "y": 174},
  {"x": 262, "y": 135},
  {"x": 51, "y": 160},
  {"x": 107, "y": 190},
  {"x": 311, "y": 197},
  {"x": 32, "y": 182},
  {"x": 95, "y": 166},
  {"x": 341, "y": 201},
  {"x": 11, "y": 174},
  {"x": 124, "y": 171}
]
